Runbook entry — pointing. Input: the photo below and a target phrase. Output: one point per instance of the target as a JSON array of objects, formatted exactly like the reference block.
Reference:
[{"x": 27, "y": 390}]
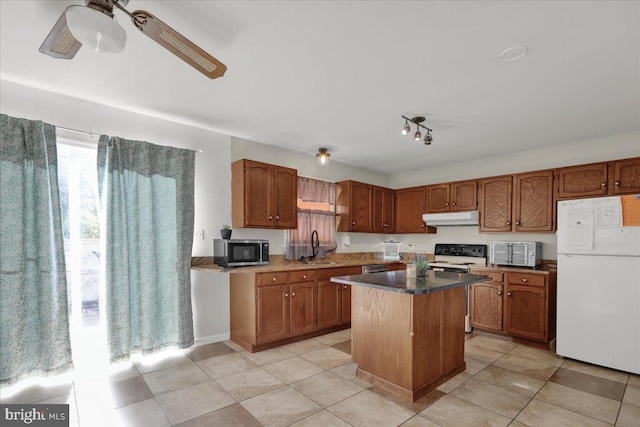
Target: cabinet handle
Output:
[
  {"x": 293, "y": 294},
  {"x": 446, "y": 204},
  {"x": 353, "y": 223},
  {"x": 424, "y": 224},
  {"x": 617, "y": 183},
  {"x": 384, "y": 226},
  {"x": 508, "y": 294},
  {"x": 273, "y": 279},
  {"x": 286, "y": 294},
  {"x": 304, "y": 276},
  {"x": 345, "y": 287},
  {"x": 604, "y": 184},
  {"x": 517, "y": 222},
  {"x": 508, "y": 222},
  {"x": 499, "y": 292},
  {"x": 270, "y": 217},
  {"x": 277, "y": 217},
  {"x": 455, "y": 204},
  {"x": 525, "y": 280}
]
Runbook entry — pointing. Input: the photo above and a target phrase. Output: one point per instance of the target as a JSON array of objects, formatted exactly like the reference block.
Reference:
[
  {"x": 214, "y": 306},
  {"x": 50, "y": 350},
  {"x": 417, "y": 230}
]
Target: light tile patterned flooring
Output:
[{"x": 313, "y": 383}]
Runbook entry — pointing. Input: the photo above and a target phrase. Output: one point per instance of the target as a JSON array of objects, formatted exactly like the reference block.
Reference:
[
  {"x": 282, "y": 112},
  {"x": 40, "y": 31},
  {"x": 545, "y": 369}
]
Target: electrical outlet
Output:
[
  {"x": 198, "y": 235},
  {"x": 410, "y": 245}
]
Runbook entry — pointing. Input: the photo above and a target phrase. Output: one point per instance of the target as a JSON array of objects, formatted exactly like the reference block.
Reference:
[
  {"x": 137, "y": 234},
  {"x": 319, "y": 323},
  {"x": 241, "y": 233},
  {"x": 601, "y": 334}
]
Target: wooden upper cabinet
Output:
[
  {"x": 495, "y": 203},
  {"x": 452, "y": 197},
  {"x": 582, "y": 181},
  {"x": 438, "y": 198},
  {"x": 354, "y": 204},
  {"x": 626, "y": 176},
  {"x": 411, "y": 204},
  {"x": 534, "y": 207},
  {"x": 383, "y": 210},
  {"x": 263, "y": 195},
  {"x": 522, "y": 203},
  {"x": 464, "y": 195}
]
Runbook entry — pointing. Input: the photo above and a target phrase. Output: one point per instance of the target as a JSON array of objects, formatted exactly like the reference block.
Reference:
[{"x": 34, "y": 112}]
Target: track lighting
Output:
[
  {"x": 418, "y": 135},
  {"x": 323, "y": 156}
]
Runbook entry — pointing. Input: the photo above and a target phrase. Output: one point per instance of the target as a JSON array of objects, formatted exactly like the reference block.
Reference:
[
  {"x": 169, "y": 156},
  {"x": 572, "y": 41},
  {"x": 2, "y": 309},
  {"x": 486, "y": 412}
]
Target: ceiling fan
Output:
[{"x": 94, "y": 26}]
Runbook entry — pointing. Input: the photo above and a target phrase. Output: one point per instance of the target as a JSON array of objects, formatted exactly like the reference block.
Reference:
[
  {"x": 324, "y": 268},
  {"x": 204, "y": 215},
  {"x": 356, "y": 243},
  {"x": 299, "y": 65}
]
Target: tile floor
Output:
[{"x": 313, "y": 383}]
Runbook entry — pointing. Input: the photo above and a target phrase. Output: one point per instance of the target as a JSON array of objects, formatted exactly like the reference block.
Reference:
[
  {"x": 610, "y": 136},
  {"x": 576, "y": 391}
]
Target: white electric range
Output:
[{"x": 459, "y": 258}]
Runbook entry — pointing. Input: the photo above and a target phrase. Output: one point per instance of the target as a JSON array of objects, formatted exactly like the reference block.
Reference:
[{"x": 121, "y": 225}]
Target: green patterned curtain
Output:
[
  {"x": 146, "y": 198},
  {"x": 34, "y": 321}
]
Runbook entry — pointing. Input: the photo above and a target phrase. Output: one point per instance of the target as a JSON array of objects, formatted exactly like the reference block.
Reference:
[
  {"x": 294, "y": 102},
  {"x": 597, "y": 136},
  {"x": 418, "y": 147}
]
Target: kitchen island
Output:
[{"x": 408, "y": 333}]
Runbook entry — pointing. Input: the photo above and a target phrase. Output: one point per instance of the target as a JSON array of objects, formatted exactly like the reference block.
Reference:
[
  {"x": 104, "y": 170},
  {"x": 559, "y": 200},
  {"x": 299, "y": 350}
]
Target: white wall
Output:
[{"x": 210, "y": 292}]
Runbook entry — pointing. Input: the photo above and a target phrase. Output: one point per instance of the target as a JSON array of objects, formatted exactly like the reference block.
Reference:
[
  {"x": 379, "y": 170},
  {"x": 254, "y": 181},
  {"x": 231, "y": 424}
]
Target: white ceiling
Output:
[{"x": 309, "y": 74}]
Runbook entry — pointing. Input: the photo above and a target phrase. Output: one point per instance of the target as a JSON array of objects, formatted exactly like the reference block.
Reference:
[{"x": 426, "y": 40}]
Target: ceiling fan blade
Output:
[
  {"x": 60, "y": 43},
  {"x": 177, "y": 44}
]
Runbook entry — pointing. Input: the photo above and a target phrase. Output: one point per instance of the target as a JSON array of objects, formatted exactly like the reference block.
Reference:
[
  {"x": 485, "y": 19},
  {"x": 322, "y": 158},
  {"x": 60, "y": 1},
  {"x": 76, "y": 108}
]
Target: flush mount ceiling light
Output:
[
  {"x": 323, "y": 156},
  {"x": 514, "y": 53},
  {"x": 418, "y": 135}
]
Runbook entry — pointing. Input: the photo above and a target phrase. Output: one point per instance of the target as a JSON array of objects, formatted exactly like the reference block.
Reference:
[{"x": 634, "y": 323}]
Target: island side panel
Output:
[
  {"x": 453, "y": 335},
  {"x": 380, "y": 328},
  {"x": 427, "y": 321}
]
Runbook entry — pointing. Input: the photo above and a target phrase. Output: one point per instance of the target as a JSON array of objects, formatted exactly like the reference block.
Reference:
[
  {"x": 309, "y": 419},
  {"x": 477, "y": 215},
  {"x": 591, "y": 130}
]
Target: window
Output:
[{"x": 316, "y": 212}]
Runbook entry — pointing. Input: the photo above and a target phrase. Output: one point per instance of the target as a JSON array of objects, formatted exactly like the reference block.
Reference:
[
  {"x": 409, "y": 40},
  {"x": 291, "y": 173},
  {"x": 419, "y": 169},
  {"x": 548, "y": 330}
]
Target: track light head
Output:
[
  {"x": 406, "y": 129},
  {"x": 428, "y": 138},
  {"x": 418, "y": 135}
]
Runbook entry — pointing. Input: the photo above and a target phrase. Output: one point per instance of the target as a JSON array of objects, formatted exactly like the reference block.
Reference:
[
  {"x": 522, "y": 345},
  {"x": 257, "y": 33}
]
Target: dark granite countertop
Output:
[{"x": 397, "y": 281}]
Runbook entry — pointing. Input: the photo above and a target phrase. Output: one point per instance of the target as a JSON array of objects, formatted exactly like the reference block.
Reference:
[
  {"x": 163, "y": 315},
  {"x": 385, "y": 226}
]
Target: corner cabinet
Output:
[
  {"x": 452, "y": 197},
  {"x": 517, "y": 203},
  {"x": 411, "y": 204},
  {"x": 334, "y": 299},
  {"x": 263, "y": 195},
  {"x": 354, "y": 204},
  {"x": 516, "y": 302}
]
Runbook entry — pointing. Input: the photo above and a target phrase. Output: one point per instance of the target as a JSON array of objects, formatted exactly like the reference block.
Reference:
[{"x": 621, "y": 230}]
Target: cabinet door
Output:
[
  {"x": 378, "y": 209},
  {"x": 345, "y": 309},
  {"x": 257, "y": 206},
  {"x": 438, "y": 198},
  {"x": 285, "y": 193},
  {"x": 464, "y": 196},
  {"x": 495, "y": 204},
  {"x": 361, "y": 205},
  {"x": 273, "y": 313},
  {"x": 582, "y": 181},
  {"x": 383, "y": 210},
  {"x": 534, "y": 201},
  {"x": 410, "y": 206},
  {"x": 485, "y": 306},
  {"x": 303, "y": 308},
  {"x": 626, "y": 176},
  {"x": 328, "y": 304},
  {"x": 526, "y": 312},
  {"x": 388, "y": 210}
]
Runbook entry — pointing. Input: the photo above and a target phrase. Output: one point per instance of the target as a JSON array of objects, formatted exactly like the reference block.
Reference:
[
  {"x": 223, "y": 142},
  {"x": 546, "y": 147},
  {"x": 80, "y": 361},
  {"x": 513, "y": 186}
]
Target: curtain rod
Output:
[{"x": 199, "y": 150}]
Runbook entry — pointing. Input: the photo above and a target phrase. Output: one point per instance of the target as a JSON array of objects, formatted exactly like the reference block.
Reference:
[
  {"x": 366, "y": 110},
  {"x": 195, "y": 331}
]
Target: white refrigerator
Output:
[{"x": 598, "y": 306}]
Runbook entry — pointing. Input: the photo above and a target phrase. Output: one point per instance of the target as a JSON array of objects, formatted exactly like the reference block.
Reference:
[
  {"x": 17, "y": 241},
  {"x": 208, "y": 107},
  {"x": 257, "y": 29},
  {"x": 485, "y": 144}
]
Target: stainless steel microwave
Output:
[
  {"x": 240, "y": 253},
  {"x": 522, "y": 254}
]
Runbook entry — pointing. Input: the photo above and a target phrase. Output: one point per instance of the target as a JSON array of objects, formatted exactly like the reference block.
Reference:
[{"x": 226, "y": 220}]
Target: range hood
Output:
[{"x": 451, "y": 218}]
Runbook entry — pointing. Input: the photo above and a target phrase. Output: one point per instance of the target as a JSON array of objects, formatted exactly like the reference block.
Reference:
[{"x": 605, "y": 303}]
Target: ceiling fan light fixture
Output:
[
  {"x": 323, "y": 156},
  {"x": 95, "y": 29}
]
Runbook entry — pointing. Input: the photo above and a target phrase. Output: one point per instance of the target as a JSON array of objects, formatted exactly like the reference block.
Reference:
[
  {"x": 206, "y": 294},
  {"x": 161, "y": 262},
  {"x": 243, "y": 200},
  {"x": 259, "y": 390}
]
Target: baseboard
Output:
[{"x": 211, "y": 339}]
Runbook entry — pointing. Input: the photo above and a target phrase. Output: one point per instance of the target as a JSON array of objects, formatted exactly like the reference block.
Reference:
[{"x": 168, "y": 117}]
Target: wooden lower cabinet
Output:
[
  {"x": 275, "y": 308},
  {"x": 515, "y": 302}
]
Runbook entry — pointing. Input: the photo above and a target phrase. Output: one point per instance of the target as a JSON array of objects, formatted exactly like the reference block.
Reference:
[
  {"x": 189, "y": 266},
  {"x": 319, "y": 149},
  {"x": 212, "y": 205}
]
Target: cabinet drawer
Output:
[
  {"x": 492, "y": 276},
  {"x": 273, "y": 278},
  {"x": 302, "y": 276},
  {"x": 525, "y": 279}
]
